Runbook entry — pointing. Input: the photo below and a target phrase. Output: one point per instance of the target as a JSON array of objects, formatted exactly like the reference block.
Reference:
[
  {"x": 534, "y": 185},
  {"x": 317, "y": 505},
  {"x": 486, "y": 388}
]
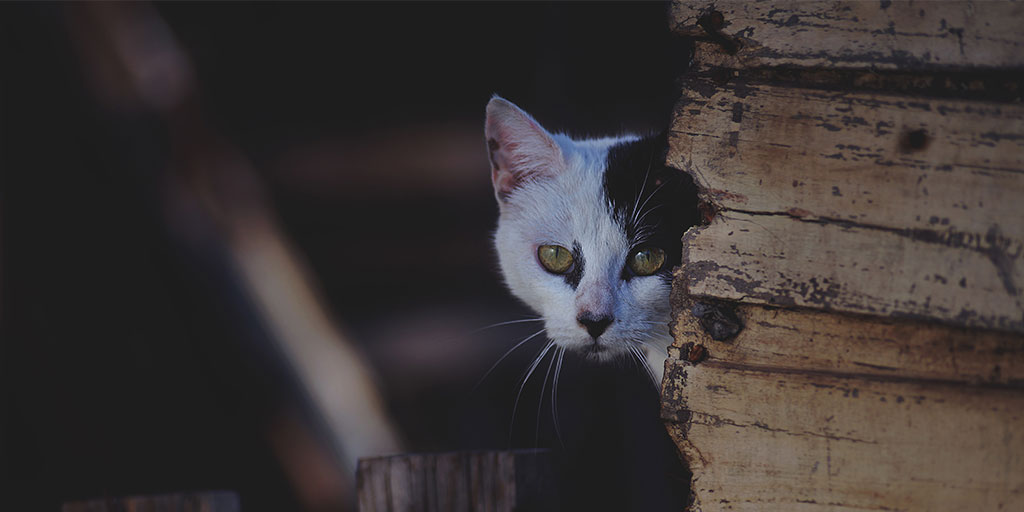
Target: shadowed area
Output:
[{"x": 181, "y": 217}]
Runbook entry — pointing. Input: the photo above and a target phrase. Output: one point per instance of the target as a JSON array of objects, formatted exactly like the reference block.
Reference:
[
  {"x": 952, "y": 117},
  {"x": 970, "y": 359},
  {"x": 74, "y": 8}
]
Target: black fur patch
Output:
[
  {"x": 650, "y": 198},
  {"x": 575, "y": 274}
]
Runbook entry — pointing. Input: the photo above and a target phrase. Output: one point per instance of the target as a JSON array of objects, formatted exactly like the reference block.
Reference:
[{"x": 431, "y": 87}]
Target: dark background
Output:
[{"x": 129, "y": 362}]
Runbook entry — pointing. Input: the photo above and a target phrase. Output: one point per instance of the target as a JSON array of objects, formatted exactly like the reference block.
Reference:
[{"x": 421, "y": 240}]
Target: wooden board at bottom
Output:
[
  {"x": 210, "y": 501},
  {"x": 793, "y": 440},
  {"x": 520, "y": 480}
]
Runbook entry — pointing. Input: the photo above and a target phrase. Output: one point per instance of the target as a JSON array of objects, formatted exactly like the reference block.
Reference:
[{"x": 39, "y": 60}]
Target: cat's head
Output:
[{"x": 589, "y": 230}]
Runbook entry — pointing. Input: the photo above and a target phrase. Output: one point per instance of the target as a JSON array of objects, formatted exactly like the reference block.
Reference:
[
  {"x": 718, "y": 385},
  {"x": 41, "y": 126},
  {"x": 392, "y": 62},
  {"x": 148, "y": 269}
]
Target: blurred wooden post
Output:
[
  {"x": 217, "y": 209},
  {"x": 861, "y": 167},
  {"x": 498, "y": 481},
  {"x": 210, "y": 501}
]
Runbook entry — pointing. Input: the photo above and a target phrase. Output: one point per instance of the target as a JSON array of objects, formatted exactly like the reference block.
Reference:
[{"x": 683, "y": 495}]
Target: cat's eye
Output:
[
  {"x": 555, "y": 258},
  {"x": 646, "y": 260}
]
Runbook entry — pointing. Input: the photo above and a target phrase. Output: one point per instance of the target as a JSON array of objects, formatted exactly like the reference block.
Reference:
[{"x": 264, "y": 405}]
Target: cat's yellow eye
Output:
[
  {"x": 646, "y": 260},
  {"x": 555, "y": 258}
]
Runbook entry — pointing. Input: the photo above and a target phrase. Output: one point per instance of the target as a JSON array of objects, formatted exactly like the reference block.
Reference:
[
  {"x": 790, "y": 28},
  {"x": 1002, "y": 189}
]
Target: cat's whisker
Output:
[
  {"x": 643, "y": 185},
  {"x": 526, "y": 378},
  {"x": 508, "y": 322},
  {"x": 656, "y": 348},
  {"x": 644, "y": 231},
  {"x": 554, "y": 395},
  {"x": 650, "y": 197},
  {"x": 643, "y": 361},
  {"x": 660, "y": 336},
  {"x": 638, "y": 357},
  {"x": 646, "y": 364},
  {"x": 540, "y": 402},
  {"x": 648, "y": 212},
  {"x": 640, "y": 240},
  {"x": 506, "y": 354}
]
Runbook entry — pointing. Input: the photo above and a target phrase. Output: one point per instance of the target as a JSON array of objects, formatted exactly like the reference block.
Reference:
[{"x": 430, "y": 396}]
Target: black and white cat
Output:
[{"x": 588, "y": 234}]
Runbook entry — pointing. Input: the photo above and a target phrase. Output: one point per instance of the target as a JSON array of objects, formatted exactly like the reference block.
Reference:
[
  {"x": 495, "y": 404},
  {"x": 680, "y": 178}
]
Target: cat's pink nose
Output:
[{"x": 594, "y": 324}]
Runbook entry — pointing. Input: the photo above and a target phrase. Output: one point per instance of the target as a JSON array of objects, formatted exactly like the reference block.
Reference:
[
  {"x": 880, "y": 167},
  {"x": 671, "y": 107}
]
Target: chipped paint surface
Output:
[
  {"x": 763, "y": 439},
  {"x": 861, "y": 167},
  {"x": 822, "y": 202},
  {"x": 778, "y": 260},
  {"x": 857, "y": 34},
  {"x": 842, "y": 156},
  {"x": 808, "y": 410}
]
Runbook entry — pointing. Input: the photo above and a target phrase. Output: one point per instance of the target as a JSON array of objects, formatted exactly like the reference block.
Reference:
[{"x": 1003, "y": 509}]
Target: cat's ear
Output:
[{"x": 519, "y": 148}]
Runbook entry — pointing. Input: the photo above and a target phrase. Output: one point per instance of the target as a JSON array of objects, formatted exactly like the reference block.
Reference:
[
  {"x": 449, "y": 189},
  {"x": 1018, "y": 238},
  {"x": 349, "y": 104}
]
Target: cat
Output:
[{"x": 589, "y": 231}]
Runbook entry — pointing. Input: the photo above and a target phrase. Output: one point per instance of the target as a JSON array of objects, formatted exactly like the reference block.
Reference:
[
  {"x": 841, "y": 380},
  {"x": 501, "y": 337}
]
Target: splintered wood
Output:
[{"x": 867, "y": 226}]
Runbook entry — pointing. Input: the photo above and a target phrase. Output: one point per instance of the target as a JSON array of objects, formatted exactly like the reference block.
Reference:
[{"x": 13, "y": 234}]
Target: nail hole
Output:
[
  {"x": 717, "y": 20},
  {"x": 712, "y": 23},
  {"x": 914, "y": 140}
]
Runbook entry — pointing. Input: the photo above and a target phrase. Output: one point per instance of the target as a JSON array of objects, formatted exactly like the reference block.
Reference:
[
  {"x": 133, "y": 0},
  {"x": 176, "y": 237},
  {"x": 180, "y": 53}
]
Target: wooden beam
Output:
[
  {"x": 884, "y": 160},
  {"x": 783, "y": 261},
  {"x": 760, "y": 439},
  {"x": 859, "y": 202},
  {"x": 812, "y": 411},
  {"x": 815, "y": 341},
  {"x": 498, "y": 481},
  {"x": 855, "y": 34},
  {"x": 861, "y": 166},
  {"x": 806, "y": 410}
]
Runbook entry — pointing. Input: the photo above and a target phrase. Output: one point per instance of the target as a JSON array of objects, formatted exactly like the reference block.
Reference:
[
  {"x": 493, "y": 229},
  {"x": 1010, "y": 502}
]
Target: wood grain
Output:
[
  {"x": 783, "y": 261},
  {"x": 858, "y": 202},
  {"x": 850, "y": 157},
  {"x": 858, "y": 34},
  {"x": 872, "y": 347},
  {"x": 497, "y": 481},
  {"x": 771, "y": 440},
  {"x": 861, "y": 166},
  {"x": 812, "y": 411}
]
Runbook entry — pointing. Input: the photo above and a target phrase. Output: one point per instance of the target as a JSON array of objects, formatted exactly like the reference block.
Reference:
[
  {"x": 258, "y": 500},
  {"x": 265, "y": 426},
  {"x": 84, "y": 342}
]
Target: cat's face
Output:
[{"x": 589, "y": 231}]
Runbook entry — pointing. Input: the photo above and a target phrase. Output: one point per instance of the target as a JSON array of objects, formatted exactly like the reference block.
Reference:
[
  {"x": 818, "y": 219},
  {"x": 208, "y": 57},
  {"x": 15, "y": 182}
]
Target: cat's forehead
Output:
[{"x": 575, "y": 202}]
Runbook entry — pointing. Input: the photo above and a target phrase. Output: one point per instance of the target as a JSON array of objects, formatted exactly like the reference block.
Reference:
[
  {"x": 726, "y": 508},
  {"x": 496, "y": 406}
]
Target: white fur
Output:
[{"x": 568, "y": 204}]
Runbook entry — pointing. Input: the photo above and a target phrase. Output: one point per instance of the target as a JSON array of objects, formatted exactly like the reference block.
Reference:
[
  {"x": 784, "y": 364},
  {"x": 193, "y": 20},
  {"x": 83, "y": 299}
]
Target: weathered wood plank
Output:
[
  {"x": 463, "y": 481},
  {"x": 785, "y": 261},
  {"x": 796, "y": 440},
  {"x": 805, "y": 410},
  {"x": 857, "y": 34},
  {"x": 928, "y": 187},
  {"x": 211, "y": 501},
  {"x": 856, "y": 345},
  {"x": 952, "y": 168},
  {"x": 372, "y": 481},
  {"x": 897, "y": 208}
]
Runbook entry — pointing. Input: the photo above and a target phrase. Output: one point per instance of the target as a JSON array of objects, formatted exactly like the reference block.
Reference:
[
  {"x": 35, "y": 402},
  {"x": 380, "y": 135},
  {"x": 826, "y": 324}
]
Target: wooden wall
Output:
[{"x": 861, "y": 166}]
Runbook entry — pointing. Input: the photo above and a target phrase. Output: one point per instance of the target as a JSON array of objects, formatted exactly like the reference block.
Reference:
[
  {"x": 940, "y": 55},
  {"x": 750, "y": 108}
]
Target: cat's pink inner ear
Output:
[{"x": 520, "y": 149}]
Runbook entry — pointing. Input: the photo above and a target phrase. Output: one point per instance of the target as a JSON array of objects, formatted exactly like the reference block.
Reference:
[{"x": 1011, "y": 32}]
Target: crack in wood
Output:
[
  {"x": 870, "y": 377},
  {"x": 715, "y": 421}
]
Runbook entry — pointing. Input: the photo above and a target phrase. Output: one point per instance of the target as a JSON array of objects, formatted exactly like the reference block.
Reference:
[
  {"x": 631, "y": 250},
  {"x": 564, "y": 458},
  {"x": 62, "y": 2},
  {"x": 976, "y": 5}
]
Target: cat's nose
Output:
[{"x": 594, "y": 324}]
